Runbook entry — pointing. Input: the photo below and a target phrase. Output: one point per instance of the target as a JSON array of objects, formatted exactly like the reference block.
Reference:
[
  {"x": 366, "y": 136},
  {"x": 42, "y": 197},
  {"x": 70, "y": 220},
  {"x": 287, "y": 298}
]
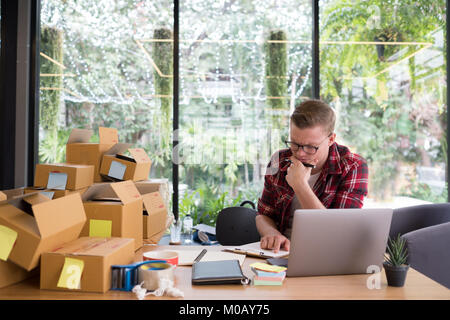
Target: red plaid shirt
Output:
[{"x": 342, "y": 183}]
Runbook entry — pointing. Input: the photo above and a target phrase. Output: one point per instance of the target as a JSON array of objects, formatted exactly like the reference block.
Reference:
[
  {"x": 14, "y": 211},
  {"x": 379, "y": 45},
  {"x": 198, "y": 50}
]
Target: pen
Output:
[
  {"x": 304, "y": 163},
  {"x": 200, "y": 256}
]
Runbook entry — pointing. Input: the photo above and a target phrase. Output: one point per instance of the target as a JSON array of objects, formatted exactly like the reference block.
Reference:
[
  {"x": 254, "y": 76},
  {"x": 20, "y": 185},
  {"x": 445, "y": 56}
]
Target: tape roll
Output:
[
  {"x": 168, "y": 256},
  {"x": 151, "y": 273}
]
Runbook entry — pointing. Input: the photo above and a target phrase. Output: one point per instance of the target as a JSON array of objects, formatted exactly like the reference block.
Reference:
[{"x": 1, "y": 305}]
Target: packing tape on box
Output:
[{"x": 151, "y": 274}]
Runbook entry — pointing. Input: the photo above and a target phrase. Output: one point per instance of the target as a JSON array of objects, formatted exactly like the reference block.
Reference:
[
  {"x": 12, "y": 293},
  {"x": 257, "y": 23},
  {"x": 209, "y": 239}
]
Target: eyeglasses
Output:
[{"x": 306, "y": 148}]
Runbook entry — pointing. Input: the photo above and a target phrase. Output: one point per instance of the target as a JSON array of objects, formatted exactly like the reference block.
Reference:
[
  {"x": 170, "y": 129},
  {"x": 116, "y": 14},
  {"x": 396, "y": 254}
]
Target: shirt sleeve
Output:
[
  {"x": 353, "y": 187},
  {"x": 266, "y": 203}
]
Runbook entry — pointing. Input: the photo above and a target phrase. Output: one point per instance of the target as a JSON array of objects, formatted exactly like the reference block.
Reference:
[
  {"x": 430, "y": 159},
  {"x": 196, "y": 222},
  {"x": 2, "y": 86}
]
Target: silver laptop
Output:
[{"x": 338, "y": 241}]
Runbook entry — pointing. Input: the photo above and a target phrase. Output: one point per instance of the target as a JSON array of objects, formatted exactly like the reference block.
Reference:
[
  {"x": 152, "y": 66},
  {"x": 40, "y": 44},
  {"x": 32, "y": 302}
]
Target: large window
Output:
[
  {"x": 107, "y": 63},
  {"x": 243, "y": 67},
  {"x": 382, "y": 66}
]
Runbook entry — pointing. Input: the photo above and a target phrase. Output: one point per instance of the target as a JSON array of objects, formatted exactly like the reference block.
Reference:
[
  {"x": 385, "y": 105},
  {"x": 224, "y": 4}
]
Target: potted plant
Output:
[{"x": 395, "y": 264}]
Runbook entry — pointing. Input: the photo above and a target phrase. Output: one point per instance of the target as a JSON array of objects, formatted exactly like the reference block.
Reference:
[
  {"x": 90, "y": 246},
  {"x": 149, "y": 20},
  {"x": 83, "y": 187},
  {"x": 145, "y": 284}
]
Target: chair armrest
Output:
[
  {"x": 412, "y": 218},
  {"x": 428, "y": 252}
]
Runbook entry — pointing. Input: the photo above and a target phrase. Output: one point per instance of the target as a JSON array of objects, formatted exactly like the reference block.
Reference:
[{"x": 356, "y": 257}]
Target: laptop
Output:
[{"x": 338, "y": 241}]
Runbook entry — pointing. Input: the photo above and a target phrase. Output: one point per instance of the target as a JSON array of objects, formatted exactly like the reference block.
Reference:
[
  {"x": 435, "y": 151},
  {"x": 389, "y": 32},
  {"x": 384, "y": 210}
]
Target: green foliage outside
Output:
[
  {"x": 51, "y": 46},
  {"x": 52, "y": 149},
  {"x": 388, "y": 126},
  {"x": 162, "y": 55},
  {"x": 204, "y": 203},
  {"x": 276, "y": 69}
]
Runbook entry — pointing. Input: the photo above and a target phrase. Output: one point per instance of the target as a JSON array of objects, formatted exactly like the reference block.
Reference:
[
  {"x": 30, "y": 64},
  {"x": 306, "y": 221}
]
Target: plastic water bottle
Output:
[{"x": 187, "y": 229}]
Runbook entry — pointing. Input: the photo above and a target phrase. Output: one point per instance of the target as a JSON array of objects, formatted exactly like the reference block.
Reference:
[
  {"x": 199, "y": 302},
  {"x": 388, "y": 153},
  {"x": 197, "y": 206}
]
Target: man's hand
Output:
[
  {"x": 275, "y": 242},
  {"x": 298, "y": 174}
]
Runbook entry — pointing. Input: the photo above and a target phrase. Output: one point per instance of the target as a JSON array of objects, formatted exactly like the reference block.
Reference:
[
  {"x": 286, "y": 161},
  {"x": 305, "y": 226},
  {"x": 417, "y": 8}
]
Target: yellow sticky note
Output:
[
  {"x": 71, "y": 274},
  {"x": 267, "y": 267},
  {"x": 100, "y": 228},
  {"x": 7, "y": 239}
]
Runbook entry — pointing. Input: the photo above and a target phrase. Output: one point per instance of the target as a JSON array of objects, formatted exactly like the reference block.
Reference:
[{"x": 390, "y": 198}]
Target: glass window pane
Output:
[
  {"x": 382, "y": 67},
  {"x": 244, "y": 65},
  {"x": 107, "y": 64}
]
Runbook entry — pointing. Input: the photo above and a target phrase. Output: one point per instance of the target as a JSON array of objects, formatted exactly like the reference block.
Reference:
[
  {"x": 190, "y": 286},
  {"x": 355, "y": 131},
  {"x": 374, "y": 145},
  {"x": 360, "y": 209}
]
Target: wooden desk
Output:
[{"x": 352, "y": 287}]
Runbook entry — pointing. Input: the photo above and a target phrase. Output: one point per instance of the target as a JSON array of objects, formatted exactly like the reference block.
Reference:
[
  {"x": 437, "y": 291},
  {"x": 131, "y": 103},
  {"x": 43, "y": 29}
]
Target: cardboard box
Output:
[
  {"x": 119, "y": 167},
  {"x": 114, "y": 210},
  {"x": 11, "y": 273},
  {"x": 161, "y": 186},
  {"x": 153, "y": 185},
  {"x": 97, "y": 256},
  {"x": 10, "y": 193},
  {"x": 155, "y": 216},
  {"x": 155, "y": 238},
  {"x": 80, "y": 151},
  {"x": 41, "y": 224},
  {"x": 53, "y": 193},
  {"x": 64, "y": 176}
]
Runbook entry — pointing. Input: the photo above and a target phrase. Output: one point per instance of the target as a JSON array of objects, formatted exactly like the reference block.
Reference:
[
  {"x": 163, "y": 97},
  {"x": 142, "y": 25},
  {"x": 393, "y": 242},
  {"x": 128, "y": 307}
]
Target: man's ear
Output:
[{"x": 331, "y": 139}]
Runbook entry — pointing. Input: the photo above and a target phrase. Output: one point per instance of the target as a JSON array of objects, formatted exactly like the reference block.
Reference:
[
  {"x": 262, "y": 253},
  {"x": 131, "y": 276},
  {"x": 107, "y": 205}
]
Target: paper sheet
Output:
[
  {"x": 205, "y": 228},
  {"x": 71, "y": 273},
  {"x": 57, "y": 180},
  {"x": 186, "y": 257},
  {"x": 100, "y": 228},
  {"x": 7, "y": 239},
  {"x": 117, "y": 170},
  {"x": 255, "y": 248}
]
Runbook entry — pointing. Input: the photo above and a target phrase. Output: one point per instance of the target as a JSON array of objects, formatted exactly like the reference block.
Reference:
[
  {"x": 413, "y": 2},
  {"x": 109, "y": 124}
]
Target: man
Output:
[{"x": 337, "y": 180}]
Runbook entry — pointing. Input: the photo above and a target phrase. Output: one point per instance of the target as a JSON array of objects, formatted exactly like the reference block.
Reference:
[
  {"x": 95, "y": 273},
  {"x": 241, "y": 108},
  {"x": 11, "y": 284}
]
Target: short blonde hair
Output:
[{"x": 311, "y": 113}]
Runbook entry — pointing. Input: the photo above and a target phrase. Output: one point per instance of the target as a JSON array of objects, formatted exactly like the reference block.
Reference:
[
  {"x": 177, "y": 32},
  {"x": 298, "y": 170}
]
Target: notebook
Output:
[
  {"x": 254, "y": 249},
  {"x": 218, "y": 272}
]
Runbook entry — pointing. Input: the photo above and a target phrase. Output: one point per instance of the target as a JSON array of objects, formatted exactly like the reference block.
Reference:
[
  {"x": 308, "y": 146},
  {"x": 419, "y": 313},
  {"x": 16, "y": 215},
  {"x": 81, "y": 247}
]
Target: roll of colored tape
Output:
[
  {"x": 168, "y": 256},
  {"x": 151, "y": 273}
]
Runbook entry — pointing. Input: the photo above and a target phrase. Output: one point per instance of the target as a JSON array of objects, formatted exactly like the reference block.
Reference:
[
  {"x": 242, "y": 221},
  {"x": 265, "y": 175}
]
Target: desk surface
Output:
[{"x": 354, "y": 287}]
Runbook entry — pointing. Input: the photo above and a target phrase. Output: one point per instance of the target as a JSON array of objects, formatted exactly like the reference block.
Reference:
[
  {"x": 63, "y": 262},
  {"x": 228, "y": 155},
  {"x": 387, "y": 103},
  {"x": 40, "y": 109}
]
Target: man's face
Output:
[{"x": 315, "y": 137}]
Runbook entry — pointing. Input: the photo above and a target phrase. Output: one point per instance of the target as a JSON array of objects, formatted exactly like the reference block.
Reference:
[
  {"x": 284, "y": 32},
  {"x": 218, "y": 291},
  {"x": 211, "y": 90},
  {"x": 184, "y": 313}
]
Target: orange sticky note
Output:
[
  {"x": 7, "y": 239},
  {"x": 100, "y": 228},
  {"x": 71, "y": 274}
]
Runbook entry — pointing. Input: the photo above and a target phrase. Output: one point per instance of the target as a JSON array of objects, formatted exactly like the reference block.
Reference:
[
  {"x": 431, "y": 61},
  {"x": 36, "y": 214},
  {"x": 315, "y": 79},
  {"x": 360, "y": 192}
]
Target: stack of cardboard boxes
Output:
[{"x": 83, "y": 215}]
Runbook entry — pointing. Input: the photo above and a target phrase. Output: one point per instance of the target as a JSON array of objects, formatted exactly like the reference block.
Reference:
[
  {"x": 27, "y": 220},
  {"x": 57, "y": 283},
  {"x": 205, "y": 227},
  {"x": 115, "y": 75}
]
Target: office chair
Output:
[
  {"x": 426, "y": 229},
  {"x": 236, "y": 226}
]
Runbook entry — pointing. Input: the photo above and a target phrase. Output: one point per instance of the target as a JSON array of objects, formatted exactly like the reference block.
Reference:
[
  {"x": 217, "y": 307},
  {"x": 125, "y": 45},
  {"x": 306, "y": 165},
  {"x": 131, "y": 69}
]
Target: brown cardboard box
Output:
[
  {"x": 155, "y": 216},
  {"x": 120, "y": 167},
  {"x": 53, "y": 193},
  {"x": 161, "y": 186},
  {"x": 154, "y": 239},
  {"x": 41, "y": 224},
  {"x": 153, "y": 185},
  {"x": 74, "y": 176},
  {"x": 13, "y": 192},
  {"x": 10, "y": 273},
  {"x": 114, "y": 209},
  {"x": 80, "y": 151},
  {"x": 97, "y": 254}
]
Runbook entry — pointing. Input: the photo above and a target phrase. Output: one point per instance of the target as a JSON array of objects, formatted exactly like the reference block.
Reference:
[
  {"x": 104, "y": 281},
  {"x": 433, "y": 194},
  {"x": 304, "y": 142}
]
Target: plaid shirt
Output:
[{"x": 342, "y": 183}]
